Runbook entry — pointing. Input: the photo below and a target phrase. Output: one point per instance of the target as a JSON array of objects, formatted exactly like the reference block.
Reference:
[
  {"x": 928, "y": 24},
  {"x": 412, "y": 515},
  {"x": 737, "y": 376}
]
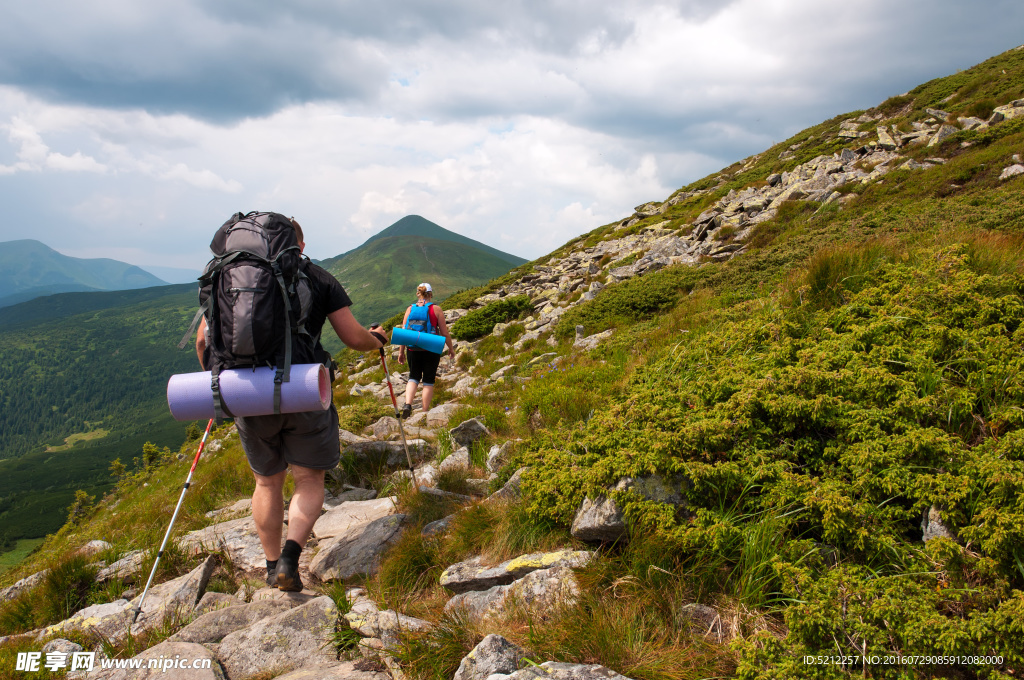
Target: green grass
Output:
[{"x": 23, "y": 548}]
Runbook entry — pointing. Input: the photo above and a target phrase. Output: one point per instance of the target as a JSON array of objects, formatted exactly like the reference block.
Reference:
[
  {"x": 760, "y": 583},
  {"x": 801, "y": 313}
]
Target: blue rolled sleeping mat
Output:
[
  {"x": 428, "y": 341},
  {"x": 249, "y": 392}
]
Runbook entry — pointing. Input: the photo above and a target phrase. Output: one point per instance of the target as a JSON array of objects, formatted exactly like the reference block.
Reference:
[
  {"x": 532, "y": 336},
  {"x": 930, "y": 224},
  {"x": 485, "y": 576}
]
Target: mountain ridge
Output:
[{"x": 31, "y": 268}]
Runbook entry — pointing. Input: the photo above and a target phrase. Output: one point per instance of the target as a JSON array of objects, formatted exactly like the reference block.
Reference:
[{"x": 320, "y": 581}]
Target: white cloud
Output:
[{"x": 520, "y": 125}]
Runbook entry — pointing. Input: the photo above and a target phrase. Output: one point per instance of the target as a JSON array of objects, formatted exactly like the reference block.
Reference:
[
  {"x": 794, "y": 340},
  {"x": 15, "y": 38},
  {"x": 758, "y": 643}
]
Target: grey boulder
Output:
[
  {"x": 358, "y": 551},
  {"x": 493, "y": 655}
]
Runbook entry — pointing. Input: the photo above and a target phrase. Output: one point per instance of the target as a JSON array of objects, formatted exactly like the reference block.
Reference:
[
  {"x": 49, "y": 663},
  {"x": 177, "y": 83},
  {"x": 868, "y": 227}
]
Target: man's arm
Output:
[
  {"x": 201, "y": 342},
  {"x": 350, "y": 332}
]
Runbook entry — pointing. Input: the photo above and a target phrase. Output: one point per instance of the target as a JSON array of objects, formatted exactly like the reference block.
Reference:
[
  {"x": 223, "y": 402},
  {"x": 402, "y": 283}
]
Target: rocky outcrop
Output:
[
  {"x": 539, "y": 592},
  {"x": 472, "y": 575},
  {"x": 296, "y": 638}
]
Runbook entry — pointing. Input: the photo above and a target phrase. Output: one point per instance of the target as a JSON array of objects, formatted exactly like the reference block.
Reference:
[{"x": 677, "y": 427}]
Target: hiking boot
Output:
[
  {"x": 406, "y": 411},
  {"x": 288, "y": 574}
]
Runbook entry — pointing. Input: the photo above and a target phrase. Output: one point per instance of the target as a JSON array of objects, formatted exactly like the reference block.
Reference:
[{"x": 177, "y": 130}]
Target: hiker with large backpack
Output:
[
  {"x": 262, "y": 303},
  {"x": 425, "y": 317}
]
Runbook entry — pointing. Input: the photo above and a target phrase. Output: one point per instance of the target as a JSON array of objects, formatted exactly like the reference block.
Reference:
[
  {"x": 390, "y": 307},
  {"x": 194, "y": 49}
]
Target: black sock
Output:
[
  {"x": 271, "y": 566},
  {"x": 291, "y": 549}
]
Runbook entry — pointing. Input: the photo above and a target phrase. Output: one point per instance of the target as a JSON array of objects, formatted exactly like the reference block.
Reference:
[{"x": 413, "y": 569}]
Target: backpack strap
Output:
[
  {"x": 195, "y": 324},
  {"x": 220, "y": 409}
]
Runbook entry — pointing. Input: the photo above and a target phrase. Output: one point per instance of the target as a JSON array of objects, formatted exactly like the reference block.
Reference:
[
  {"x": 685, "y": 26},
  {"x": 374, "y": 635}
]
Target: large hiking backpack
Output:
[
  {"x": 256, "y": 299},
  {"x": 419, "y": 319}
]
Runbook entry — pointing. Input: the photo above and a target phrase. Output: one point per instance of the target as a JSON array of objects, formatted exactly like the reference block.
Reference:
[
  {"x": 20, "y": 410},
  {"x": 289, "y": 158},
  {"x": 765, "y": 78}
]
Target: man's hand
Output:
[{"x": 377, "y": 332}]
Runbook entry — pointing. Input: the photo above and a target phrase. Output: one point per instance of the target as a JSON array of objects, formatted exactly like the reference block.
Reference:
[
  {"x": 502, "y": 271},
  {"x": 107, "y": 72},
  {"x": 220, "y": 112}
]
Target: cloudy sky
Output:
[{"x": 133, "y": 129}]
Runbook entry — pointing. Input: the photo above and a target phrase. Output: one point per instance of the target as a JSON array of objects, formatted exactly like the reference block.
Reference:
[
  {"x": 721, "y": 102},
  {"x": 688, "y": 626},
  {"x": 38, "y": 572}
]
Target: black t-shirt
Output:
[{"x": 328, "y": 297}]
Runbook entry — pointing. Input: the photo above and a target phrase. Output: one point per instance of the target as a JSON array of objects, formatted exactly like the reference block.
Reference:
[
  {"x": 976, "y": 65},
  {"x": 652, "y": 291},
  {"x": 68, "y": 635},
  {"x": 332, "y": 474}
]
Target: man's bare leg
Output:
[
  {"x": 268, "y": 512},
  {"x": 306, "y": 504},
  {"x": 427, "y": 396}
]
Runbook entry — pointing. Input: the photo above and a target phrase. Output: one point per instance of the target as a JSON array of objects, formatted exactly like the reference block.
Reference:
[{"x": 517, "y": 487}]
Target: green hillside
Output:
[
  {"x": 382, "y": 274},
  {"x": 29, "y": 268},
  {"x": 83, "y": 363}
]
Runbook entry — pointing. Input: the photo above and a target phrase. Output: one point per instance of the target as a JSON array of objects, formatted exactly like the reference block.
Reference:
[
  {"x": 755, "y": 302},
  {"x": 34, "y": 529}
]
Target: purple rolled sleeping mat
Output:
[{"x": 249, "y": 392}]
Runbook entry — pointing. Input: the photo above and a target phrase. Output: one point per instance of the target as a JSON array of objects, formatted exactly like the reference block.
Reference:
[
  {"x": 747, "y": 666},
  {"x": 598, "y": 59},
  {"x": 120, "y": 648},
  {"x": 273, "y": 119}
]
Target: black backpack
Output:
[{"x": 256, "y": 299}]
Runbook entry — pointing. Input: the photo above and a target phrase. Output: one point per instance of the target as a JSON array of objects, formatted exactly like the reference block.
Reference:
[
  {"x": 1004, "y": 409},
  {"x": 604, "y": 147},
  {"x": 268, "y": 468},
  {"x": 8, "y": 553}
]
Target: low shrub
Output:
[{"x": 481, "y": 322}]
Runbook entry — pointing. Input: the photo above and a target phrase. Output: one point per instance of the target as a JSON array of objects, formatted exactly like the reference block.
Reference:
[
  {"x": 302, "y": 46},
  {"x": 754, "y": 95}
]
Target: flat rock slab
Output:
[
  {"x": 470, "y": 575},
  {"x": 493, "y": 655},
  {"x": 216, "y": 625},
  {"x": 539, "y": 592},
  {"x": 238, "y": 538},
  {"x": 512, "y": 491},
  {"x": 358, "y": 551},
  {"x": 556, "y": 670},
  {"x": 159, "y": 662},
  {"x": 296, "y": 638},
  {"x": 352, "y": 515},
  {"x": 342, "y": 671}
]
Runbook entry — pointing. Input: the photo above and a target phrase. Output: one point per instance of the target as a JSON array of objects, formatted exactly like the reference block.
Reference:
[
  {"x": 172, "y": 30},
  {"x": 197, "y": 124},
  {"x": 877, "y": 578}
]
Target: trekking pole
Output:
[
  {"x": 188, "y": 482},
  {"x": 398, "y": 417}
]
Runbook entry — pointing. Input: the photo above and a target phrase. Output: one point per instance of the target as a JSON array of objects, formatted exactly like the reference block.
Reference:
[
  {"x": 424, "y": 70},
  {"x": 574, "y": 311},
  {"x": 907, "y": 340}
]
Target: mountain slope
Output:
[
  {"x": 799, "y": 434},
  {"x": 381, "y": 275},
  {"x": 30, "y": 268}
]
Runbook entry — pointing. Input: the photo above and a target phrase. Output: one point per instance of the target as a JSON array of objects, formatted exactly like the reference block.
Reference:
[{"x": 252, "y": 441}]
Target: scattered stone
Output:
[
  {"x": 458, "y": 459},
  {"x": 498, "y": 456},
  {"x": 384, "y": 426},
  {"x": 125, "y": 568},
  {"x": 493, "y": 655},
  {"x": 1012, "y": 171},
  {"x": 933, "y": 527},
  {"x": 93, "y": 547},
  {"x": 468, "y": 431},
  {"x": 441, "y": 414},
  {"x": 599, "y": 520},
  {"x": 109, "y": 621},
  {"x": 944, "y": 132},
  {"x": 439, "y": 526},
  {"x": 24, "y": 585},
  {"x": 511, "y": 491},
  {"x": 349, "y": 438},
  {"x": 590, "y": 342},
  {"x": 356, "y": 552}
]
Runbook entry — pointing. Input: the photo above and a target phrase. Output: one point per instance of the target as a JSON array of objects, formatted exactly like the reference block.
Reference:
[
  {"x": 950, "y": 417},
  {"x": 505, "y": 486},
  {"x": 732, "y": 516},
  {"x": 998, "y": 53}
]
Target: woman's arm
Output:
[{"x": 443, "y": 327}]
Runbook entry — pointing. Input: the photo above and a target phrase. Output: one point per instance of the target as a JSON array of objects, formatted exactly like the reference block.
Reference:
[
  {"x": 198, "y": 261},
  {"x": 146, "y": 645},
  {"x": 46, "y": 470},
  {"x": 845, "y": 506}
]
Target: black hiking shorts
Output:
[
  {"x": 309, "y": 440},
  {"x": 423, "y": 366}
]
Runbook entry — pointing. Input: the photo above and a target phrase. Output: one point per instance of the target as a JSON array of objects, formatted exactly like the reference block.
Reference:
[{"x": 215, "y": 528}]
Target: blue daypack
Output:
[{"x": 419, "y": 319}]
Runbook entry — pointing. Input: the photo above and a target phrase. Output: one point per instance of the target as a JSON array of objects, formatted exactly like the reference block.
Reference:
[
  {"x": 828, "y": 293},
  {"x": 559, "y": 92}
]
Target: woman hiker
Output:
[{"x": 427, "y": 317}]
